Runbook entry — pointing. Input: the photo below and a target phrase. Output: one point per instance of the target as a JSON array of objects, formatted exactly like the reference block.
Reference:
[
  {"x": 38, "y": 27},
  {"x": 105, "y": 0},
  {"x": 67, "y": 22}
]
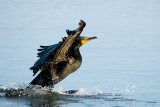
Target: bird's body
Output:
[
  {"x": 57, "y": 61},
  {"x": 51, "y": 76}
]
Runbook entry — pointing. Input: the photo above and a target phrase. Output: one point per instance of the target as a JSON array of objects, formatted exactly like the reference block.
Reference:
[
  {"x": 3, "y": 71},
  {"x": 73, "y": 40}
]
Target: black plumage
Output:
[{"x": 57, "y": 61}]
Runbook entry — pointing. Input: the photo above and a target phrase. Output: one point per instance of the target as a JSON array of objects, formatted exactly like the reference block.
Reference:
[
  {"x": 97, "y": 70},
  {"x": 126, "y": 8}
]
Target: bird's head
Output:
[{"x": 84, "y": 40}]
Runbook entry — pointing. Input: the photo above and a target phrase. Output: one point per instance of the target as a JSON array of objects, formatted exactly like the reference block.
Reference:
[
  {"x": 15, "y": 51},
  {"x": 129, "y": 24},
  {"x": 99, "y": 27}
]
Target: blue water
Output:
[{"x": 120, "y": 69}]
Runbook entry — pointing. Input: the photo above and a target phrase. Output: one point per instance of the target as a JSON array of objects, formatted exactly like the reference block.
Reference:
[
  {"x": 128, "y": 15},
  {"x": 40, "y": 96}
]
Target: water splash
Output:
[{"x": 22, "y": 89}]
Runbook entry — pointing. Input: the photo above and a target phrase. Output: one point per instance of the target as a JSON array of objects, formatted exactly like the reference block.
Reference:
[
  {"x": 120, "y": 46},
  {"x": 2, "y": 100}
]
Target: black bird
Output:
[{"x": 57, "y": 61}]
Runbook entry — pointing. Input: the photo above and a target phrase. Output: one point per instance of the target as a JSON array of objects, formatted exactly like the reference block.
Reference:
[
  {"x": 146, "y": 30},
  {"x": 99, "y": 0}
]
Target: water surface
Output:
[{"x": 120, "y": 69}]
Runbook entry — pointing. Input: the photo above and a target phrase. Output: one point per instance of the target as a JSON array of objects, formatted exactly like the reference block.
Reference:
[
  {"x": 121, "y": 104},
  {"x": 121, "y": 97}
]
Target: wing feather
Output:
[
  {"x": 51, "y": 55},
  {"x": 46, "y": 54}
]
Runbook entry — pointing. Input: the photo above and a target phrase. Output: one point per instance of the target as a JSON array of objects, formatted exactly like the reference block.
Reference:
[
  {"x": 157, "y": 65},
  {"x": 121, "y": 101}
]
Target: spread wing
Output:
[
  {"x": 45, "y": 49},
  {"x": 51, "y": 55},
  {"x": 61, "y": 54},
  {"x": 46, "y": 54}
]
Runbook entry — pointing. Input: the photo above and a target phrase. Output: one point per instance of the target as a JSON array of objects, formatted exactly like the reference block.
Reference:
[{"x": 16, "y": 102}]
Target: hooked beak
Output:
[
  {"x": 87, "y": 39},
  {"x": 91, "y": 38}
]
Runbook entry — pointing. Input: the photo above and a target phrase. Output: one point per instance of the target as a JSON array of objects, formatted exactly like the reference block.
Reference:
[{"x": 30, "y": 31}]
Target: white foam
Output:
[
  {"x": 38, "y": 90},
  {"x": 130, "y": 89},
  {"x": 14, "y": 86},
  {"x": 59, "y": 90}
]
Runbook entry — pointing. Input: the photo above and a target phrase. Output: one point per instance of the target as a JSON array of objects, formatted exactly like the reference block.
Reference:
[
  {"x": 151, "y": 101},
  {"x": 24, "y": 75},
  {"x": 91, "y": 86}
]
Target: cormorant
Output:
[{"x": 57, "y": 61}]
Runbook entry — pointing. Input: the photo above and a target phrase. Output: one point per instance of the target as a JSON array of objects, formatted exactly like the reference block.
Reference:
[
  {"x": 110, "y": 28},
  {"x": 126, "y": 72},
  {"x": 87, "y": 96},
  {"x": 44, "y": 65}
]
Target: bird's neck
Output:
[{"x": 76, "y": 53}]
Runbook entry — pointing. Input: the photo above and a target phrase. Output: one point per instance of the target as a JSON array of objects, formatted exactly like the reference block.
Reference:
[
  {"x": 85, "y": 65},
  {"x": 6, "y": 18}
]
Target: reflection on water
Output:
[
  {"x": 51, "y": 97},
  {"x": 57, "y": 97}
]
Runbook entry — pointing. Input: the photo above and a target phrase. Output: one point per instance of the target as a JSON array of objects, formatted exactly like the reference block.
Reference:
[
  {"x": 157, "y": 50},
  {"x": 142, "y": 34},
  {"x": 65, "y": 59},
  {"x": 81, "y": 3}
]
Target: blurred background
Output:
[{"x": 125, "y": 57}]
